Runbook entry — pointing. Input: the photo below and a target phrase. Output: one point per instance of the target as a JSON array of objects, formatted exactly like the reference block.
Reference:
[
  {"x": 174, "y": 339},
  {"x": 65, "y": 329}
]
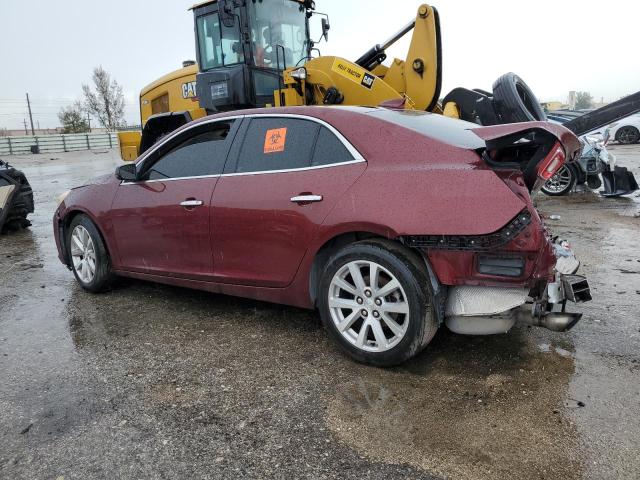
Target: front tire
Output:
[
  {"x": 376, "y": 302},
  {"x": 561, "y": 183},
  {"x": 88, "y": 255}
]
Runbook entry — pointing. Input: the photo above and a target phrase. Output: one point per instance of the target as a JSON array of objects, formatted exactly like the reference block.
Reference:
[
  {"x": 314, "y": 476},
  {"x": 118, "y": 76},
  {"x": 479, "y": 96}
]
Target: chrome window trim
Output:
[
  {"x": 291, "y": 170},
  {"x": 357, "y": 156},
  {"x": 145, "y": 182},
  {"x": 352, "y": 150},
  {"x": 176, "y": 133},
  {"x": 249, "y": 174}
]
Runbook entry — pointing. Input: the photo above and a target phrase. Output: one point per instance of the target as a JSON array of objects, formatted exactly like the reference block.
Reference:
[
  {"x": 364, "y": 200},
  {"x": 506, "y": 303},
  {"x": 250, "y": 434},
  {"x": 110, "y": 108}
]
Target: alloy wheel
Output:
[
  {"x": 368, "y": 306},
  {"x": 83, "y": 254},
  {"x": 628, "y": 135},
  {"x": 560, "y": 181}
]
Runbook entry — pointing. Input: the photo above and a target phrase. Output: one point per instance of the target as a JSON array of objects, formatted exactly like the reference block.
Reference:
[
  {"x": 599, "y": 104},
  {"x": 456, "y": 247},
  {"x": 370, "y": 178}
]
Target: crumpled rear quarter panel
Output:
[{"x": 415, "y": 185}]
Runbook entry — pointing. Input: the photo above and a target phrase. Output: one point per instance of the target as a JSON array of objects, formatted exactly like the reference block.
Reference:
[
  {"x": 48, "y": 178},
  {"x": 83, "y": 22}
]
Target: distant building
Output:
[
  {"x": 600, "y": 104},
  {"x": 551, "y": 106},
  {"x": 554, "y": 105}
]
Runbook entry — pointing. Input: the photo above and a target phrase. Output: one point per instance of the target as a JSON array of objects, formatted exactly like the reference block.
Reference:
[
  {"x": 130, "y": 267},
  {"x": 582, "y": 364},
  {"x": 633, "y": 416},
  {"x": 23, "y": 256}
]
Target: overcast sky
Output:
[{"x": 49, "y": 48}]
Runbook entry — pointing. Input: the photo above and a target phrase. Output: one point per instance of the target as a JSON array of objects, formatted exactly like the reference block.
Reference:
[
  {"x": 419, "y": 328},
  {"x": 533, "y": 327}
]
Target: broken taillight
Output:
[{"x": 552, "y": 163}]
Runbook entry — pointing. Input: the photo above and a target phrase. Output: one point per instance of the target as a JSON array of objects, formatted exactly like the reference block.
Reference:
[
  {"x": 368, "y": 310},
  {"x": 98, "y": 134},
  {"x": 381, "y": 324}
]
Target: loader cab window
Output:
[
  {"x": 219, "y": 46},
  {"x": 278, "y": 22}
]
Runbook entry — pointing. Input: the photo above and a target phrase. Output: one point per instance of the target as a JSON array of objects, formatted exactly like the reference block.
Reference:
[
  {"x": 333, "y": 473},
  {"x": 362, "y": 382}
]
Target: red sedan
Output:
[{"x": 390, "y": 223}]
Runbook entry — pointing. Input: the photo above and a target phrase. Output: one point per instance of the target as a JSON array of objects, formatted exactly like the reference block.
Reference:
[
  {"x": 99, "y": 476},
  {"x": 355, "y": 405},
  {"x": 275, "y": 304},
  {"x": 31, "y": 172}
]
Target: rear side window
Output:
[
  {"x": 277, "y": 144},
  {"x": 202, "y": 153},
  {"x": 329, "y": 150}
]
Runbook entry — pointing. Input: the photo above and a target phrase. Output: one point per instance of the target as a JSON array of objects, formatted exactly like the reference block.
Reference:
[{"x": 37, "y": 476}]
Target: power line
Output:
[{"x": 36, "y": 99}]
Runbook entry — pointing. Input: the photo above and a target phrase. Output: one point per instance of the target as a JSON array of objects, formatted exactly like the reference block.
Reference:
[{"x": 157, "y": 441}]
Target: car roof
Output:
[{"x": 438, "y": 127}]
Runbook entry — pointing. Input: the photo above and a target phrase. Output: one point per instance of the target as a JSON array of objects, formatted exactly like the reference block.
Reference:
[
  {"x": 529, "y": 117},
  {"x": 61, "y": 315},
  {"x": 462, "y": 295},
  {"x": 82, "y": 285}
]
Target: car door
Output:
[
  {"x": 284, "y": 176},
  {"x": 161, "y": 222}
]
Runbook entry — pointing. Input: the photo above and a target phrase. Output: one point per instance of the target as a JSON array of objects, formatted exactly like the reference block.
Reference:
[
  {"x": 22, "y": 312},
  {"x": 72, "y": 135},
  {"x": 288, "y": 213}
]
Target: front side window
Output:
[
  {"x": 219, "y": 46},
  {"x": 202, "y": 153},
  {"x": 274, "y": 23}
]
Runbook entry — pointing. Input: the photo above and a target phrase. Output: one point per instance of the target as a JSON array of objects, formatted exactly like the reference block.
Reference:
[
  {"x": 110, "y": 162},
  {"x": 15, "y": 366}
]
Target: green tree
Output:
[
  {"x": 106, "y": 100},
  {"x": 73, "y": 119},
  {"x": 584, "y": 100}
]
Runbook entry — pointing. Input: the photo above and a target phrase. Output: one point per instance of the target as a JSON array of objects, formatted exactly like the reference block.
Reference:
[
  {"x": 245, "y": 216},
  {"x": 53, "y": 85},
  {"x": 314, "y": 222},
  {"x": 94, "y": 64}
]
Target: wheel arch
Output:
[
  {"x": 64, "y": 225},
  {"x": 333, "y": 244},
  {"x": 341, "y": 240},
  {"x": 579, "y": 173}
]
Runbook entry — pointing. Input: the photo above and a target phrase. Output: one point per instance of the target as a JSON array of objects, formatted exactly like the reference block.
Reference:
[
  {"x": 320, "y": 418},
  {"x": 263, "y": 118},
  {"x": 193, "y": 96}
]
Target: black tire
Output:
[
  {"x": 410, "y": 271},
  {"x": 103, "y": 273},
  {"x": 628, "y": 135},
  {"x": 553, "y": 189},
  {"x": 594, "y": 182},
  {"x": 515, "y": 102}
]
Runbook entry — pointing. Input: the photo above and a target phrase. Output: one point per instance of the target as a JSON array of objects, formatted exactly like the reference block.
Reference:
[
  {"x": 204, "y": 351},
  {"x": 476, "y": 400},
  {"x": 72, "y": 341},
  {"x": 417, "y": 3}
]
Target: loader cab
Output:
[{"x": 243, "y": 46}]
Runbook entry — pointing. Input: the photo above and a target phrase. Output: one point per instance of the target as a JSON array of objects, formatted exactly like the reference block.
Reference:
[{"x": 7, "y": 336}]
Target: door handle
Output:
[
  {"x": 192, "y": 203},
  {"x": 307, "y": 199}
]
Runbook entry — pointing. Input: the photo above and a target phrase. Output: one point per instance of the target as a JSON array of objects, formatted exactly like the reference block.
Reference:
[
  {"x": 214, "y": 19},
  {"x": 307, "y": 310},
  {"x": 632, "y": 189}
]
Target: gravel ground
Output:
[{"x": 149, "y": 381}]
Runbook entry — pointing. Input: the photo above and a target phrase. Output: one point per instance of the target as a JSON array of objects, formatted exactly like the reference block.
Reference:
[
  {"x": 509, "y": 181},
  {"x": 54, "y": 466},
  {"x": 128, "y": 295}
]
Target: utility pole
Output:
[
  {"x": 33, "y": 132},
  {"x": 26, "y": 132}
]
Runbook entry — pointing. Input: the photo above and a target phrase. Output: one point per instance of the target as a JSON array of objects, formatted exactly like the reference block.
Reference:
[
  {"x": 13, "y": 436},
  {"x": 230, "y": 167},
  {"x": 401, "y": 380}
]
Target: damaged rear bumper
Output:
[
  {"x": 495, "y": 310},
  {"x": 619, "y": 181},
  {"x": 476, "y": 310}
]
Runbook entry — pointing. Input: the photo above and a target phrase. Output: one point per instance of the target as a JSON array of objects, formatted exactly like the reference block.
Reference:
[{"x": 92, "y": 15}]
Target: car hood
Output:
[{"x": 101, "y": 180}]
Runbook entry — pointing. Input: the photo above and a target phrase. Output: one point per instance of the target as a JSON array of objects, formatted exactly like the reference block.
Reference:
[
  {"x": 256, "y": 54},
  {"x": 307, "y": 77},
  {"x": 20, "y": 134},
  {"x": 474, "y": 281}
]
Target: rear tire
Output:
[
  {"x": 515, "y": 102},
  {"x": 88, "y": 256},
  {"x": 375, "y": 301},
  {"x": 561, "y": 183},
  {"x": 628, "y": 135}
]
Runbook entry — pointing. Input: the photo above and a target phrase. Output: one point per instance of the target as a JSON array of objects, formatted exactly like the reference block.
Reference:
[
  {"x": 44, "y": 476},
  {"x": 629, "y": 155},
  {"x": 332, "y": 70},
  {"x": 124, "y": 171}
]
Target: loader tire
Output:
[{"x": 515, "y": 102}]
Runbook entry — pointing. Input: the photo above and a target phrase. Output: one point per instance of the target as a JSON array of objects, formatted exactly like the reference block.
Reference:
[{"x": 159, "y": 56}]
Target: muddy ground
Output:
[{"x": 149, "y": 381}]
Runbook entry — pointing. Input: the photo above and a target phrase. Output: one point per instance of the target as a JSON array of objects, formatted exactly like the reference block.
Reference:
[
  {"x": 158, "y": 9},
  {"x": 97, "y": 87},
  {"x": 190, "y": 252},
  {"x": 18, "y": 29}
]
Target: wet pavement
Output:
[{"x": 149, "y": 381}]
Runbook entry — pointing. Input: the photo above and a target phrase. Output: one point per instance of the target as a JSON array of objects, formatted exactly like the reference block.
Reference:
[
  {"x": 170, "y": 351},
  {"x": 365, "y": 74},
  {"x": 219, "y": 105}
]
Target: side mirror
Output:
[
  {"x": 127, "y": 173},
  {"x": 326, "y": 26}
]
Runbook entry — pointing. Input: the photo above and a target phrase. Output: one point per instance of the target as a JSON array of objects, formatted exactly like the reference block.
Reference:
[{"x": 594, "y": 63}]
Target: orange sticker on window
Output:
[{"x": 275, "y": 140}]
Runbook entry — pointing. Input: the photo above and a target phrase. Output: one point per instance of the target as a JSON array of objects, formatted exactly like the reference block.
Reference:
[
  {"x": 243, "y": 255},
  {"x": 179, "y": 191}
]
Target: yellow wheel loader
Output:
[{"x": 259, "y": 53}]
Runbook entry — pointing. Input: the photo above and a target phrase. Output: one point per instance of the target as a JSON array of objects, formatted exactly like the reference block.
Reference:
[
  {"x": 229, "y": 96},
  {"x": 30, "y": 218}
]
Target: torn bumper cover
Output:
[
  {"x": 619, "y": 181},
  {"x": 16, "y": 199},
  {"x": 476, "y": 310}
]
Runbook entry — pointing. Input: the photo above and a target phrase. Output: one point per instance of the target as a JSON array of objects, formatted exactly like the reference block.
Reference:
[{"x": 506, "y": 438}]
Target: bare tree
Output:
[
  {"x": 73, "y": 119},
  {"x": 106, "y": 102},
  {"x": 584, "y": 100}
]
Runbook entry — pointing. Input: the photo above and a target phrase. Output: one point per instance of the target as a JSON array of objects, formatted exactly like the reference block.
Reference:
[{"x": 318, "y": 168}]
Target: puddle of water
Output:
[{"x": 468, "y": 408}]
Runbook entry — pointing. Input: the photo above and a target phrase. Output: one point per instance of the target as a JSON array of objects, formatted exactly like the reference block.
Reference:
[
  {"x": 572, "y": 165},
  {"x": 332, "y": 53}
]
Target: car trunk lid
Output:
[{"x": 536, "y": 149}]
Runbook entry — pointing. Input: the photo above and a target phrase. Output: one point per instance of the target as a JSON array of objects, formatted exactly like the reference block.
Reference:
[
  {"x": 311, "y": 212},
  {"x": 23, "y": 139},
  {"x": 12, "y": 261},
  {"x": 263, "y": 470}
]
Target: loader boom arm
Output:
[
  {"x": 419, "y": 76},
  {"x": 415, "y": 80}
]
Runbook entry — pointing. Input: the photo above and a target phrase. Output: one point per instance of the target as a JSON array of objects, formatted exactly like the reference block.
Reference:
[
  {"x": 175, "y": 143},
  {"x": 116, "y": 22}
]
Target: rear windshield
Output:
[{"x": 438, "y": 127}]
